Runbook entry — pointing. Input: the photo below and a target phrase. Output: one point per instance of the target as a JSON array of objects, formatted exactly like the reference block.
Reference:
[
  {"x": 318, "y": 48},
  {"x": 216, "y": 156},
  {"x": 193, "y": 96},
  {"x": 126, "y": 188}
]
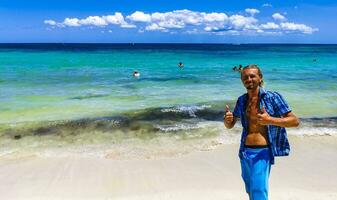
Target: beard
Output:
[{"x": 250, "y": 86}]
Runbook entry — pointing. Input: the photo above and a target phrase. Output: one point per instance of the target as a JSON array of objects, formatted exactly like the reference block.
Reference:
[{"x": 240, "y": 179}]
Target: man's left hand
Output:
[{"x": 263, "y": 118}]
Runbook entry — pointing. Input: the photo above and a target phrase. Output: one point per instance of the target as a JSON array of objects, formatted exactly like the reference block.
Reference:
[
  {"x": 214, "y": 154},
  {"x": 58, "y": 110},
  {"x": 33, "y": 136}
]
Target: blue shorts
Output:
[{"x": 255, "y": 170}]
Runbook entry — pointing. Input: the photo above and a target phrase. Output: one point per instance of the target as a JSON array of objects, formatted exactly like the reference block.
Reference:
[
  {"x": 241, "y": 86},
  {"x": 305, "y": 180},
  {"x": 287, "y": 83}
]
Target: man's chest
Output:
[{"x": 252, "y": 108}]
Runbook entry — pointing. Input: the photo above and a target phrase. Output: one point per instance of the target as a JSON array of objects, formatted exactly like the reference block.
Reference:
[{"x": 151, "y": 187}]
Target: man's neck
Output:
[{"x": 254, "y": 93}]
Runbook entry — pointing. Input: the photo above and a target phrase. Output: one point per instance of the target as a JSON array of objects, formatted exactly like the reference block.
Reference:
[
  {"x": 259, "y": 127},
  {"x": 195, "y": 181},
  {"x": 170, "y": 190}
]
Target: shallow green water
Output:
[{"x": 52, "y": 95}]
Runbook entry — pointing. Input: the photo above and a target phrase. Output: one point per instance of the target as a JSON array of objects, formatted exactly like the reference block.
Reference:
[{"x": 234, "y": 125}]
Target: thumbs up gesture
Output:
[
  {"x": 263, "y": 118},
  {"x": 228, "y": 115}
]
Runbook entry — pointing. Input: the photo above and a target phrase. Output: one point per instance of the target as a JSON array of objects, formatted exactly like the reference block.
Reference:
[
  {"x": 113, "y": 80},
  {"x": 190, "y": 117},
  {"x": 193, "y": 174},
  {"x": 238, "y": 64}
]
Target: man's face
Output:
[{"x": 250, "y": 78}]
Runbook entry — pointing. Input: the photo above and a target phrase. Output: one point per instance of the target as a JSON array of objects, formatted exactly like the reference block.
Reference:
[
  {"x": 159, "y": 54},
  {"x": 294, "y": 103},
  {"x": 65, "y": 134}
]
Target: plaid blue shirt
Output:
[{"x": 275, "y": 106}]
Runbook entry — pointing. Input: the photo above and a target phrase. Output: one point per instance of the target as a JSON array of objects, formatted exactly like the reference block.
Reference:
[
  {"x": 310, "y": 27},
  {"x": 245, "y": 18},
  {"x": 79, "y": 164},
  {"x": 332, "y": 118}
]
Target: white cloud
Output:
[
  {"x": 158, "y": 16},
  {"x": 278, "y": 16},
  {"x": 267, "y": 5},
  {"x": 139, "y": 17},
  {"x": 252, "y": 11},
  {"x": 230, "y": 32},
  {"x": 178, "y": 18},
  {"x": 128, "y": 26},
  {"x": 100, "y": 21},
  {"x": 289, "y": 26},
  {"x": 274, "y": 33},
  {"x": 154, "y": 27},
  {"x": 192, "y": 31},
  {"x": 117, "y": 18},
  {"x": 269, "y": 25},
  {"x": 50, "y": 22},
  {"x": 214, "y": 17},
  {"x": 71, "y": 22},
  {"x": 213, "y": 28},
  {"x": 193, "y": 19},
  {"x": 242, "y": 22},
  {"x": 94, "y": 21},
  {"x": 191, "y": 22},
  {"x": 171, "y": 23},
  {"x": 208, "y": 28}
]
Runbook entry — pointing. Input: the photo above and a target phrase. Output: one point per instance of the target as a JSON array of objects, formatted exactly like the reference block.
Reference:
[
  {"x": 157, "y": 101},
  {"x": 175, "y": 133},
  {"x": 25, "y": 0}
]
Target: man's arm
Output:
[
  {"x": 287, "y": 120},
  {"x": 229, "y": 119}
]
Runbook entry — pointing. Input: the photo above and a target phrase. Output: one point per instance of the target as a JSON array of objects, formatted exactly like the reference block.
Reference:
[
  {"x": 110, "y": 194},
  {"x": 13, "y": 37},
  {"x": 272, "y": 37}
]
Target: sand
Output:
[{"x": 309, "y": 173}]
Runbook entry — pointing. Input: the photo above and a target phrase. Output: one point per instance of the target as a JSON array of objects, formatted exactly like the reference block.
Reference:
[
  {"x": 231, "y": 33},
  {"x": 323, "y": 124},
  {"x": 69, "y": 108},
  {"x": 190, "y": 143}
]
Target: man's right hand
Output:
[{"x": 228, "y": 116}]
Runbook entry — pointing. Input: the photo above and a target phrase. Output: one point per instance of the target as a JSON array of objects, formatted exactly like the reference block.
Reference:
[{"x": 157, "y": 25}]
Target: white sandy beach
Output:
[{"x": 309, "y": 173}]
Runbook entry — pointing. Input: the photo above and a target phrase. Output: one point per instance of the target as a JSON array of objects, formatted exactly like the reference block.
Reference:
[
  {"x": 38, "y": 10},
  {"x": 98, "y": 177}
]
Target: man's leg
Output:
[
  {"x": 245, "y": 172},
  {"x": 255, "y": 169},
  {"x": 260, "y": 175}
]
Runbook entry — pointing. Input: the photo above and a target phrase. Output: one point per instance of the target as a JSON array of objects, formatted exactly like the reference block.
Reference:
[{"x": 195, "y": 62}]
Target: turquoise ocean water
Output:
[{"x": 82, "y": 96}]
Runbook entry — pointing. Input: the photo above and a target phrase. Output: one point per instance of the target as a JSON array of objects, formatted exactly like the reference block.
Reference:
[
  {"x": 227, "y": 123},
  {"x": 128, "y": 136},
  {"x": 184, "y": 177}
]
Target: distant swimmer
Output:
[
  {"x": 181, "y": 65},
  {"x": 314, "y": 60},
  {"x": 237, "y": 69},
  {"x": 240, "y": 68},
  {"x": 136, "y": 74}
]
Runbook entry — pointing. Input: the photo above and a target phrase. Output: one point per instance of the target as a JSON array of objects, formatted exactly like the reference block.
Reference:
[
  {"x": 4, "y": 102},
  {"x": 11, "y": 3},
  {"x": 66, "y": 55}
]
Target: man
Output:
[{"x": 263, "y": 116}]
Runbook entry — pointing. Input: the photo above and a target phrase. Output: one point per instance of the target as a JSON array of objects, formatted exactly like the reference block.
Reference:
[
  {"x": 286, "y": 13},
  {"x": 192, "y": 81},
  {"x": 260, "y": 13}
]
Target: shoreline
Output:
[{"x": 308, "y": 173}]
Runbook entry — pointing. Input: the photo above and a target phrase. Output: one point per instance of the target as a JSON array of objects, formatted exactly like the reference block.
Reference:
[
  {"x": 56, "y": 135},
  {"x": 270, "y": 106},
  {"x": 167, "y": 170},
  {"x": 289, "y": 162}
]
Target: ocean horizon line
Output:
[
  {"x": 162, "y": 43},
  {"x": 156, "y": 46}
]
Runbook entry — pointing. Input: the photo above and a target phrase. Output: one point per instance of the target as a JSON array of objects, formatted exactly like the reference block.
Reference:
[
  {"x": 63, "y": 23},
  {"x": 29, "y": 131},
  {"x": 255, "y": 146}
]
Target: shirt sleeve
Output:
[
  {"x": 280, "y": 104},
  {"x": 236, "y": 112}
]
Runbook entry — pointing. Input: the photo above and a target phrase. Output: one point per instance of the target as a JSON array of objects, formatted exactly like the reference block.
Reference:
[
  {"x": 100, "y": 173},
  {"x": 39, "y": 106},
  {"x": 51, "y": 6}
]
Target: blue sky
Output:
[{"x": 211, "y": 21}]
